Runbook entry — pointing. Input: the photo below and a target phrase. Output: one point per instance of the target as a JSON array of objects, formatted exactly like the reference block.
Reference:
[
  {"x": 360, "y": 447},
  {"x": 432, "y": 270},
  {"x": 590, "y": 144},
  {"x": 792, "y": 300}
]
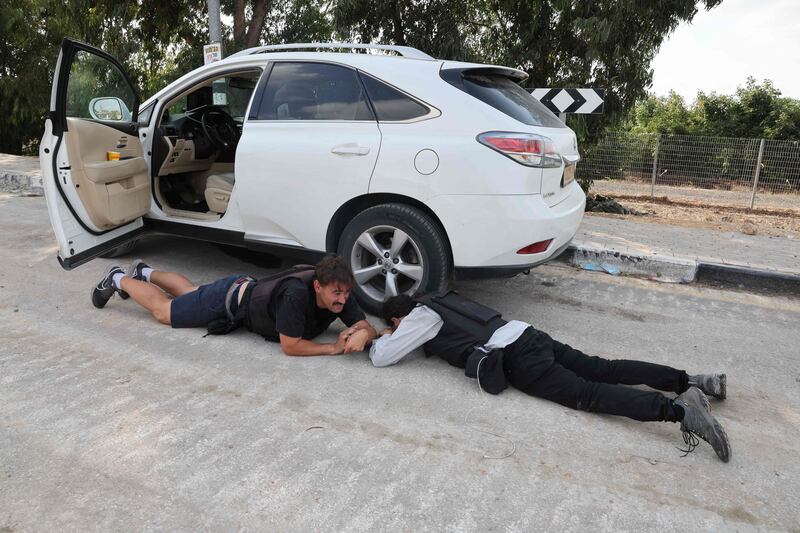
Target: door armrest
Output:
[{"x": 110, "y": 171}]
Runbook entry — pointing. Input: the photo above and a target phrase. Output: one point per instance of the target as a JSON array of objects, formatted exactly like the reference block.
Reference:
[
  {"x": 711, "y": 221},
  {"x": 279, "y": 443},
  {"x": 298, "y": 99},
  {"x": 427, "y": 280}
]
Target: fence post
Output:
[
  {"x": 655, "y": 167},
  {"x": 757, "y": 173}
]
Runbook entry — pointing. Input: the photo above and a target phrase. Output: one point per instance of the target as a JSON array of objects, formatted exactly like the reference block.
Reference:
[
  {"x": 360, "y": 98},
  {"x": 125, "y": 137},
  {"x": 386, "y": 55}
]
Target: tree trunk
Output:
[
  {"x": 256, "y": 23},
  {"x": 399, "y": 33},
  {"x": 238, "y": 23}
]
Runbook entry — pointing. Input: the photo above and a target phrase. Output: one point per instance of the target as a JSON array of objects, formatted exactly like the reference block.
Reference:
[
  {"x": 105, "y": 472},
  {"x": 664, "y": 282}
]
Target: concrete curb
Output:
[
  {"x": 654, "y": 267},
  {"x": 680, "y": 270},
  {"x": 745, "y": 277},
  {"x": 24, "y": 182}
]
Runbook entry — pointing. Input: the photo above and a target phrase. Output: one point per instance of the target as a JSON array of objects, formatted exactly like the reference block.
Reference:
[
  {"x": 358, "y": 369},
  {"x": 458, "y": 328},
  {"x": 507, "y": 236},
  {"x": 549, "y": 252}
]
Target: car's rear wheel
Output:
[{"x": 394, "y": 249}]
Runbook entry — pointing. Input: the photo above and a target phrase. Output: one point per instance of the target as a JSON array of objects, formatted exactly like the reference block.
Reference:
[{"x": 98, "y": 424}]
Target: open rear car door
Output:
[{"x": 94, "y": 171}]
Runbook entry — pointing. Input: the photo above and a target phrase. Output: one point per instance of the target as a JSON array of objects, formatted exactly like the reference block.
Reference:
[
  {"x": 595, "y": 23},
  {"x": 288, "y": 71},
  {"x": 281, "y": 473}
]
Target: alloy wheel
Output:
[{"x": 386, "y": 262}]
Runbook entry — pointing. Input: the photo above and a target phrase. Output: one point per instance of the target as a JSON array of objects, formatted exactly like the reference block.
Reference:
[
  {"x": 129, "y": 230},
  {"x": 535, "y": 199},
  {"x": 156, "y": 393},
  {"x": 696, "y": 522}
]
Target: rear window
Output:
[
  {"x": 390, "y": 104},
  {"x": 503, "y": 94}
]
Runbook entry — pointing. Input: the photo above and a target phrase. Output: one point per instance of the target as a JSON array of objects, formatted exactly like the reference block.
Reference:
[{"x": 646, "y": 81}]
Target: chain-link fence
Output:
[{"x": 719, "y": 170}]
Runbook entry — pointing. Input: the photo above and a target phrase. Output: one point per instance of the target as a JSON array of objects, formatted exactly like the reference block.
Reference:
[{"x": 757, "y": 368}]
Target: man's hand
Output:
[
  {"x": 341, "y": 342},
  {"x": 357, "y": 341}
]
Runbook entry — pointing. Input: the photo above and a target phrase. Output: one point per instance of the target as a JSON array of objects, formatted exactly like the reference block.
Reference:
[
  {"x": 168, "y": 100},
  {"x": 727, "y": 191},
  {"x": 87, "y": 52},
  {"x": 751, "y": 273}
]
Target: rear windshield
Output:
[{"x": 502, "y": 93}]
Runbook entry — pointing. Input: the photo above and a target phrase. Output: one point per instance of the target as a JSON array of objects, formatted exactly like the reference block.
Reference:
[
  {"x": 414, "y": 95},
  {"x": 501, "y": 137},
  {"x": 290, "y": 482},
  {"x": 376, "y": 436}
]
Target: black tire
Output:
[
  {"x": 124, "y": 249},
  {"x": 427, "y": 251}
]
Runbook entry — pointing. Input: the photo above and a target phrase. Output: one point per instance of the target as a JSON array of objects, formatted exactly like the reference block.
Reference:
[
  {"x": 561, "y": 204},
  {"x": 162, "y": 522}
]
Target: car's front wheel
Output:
[{"x": 394, "y": 249}]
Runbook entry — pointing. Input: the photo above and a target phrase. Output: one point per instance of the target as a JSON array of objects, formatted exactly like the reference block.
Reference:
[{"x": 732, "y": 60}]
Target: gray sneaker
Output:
[
  {"x": 698, "y": 422},
  {"x": 715, "y": 385},
  {"x": 105, "y": 289}
]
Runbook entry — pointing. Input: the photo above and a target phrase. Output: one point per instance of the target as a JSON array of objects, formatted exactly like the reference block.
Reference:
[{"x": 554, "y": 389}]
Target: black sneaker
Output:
[
  {"x": 698, "y": 422},
  {"x": 715, "y": 385},
  {"x": 134, "y": 272},
  {"x": 105, "y": 289}
]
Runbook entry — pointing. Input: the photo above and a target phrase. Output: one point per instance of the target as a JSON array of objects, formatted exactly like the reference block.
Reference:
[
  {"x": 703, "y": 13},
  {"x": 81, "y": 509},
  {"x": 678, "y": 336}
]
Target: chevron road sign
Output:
[{"x": 582, "y": 101}]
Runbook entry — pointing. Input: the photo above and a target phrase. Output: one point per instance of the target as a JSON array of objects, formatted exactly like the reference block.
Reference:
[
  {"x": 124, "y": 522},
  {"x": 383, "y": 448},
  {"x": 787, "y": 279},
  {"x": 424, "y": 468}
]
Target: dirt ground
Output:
[
  {"x": 698, "y": 213},
  {"x": 732, "y": 195}
]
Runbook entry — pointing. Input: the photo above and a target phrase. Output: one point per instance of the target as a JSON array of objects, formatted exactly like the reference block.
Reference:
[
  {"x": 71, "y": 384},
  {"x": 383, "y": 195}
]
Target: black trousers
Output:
[{"x": 543, "y": 367}]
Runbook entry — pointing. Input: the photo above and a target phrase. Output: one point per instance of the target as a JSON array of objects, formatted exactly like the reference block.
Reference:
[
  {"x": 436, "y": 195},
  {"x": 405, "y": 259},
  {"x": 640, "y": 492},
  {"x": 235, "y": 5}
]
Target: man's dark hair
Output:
[
  {"x": 333, "y": 269},
  {"x": 397, "y": 307}
]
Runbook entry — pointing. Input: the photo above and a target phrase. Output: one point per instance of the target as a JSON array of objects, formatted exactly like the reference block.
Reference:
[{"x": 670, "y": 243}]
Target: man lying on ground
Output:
[
  {"x": 469, "y": 335},
  {"x": 291, "y": 307}
]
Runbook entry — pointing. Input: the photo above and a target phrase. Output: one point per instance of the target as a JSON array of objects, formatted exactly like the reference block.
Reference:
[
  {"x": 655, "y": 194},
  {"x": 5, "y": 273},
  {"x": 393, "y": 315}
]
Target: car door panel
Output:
[
  {"x": 310, "y": 147},
  {"x": 95, "y": 201},
  {"x": 293, "y": 190},
  {"x": 112, "y": 192}
]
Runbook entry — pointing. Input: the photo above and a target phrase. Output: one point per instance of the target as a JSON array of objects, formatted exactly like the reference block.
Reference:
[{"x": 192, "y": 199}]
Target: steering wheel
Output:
[{"x": 219, "y": 127}]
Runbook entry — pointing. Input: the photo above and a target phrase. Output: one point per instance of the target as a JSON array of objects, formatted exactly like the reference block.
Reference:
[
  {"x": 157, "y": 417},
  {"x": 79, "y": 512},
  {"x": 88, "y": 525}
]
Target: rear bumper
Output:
[
  {"x": 485, "y": 231},
  {"x": 462, "y": 273}
]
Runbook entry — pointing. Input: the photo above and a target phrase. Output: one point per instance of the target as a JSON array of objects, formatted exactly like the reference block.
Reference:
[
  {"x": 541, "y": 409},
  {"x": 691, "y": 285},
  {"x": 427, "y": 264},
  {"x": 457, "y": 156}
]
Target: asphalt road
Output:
[{"x": 110, "y": 421}]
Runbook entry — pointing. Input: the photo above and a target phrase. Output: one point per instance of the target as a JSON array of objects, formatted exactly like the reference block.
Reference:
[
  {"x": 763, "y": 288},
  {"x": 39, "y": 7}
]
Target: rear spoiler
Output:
[{"x": 454, "y": 71}]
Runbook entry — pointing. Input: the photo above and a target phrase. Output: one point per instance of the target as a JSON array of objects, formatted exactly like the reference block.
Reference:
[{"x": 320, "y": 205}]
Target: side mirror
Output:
[{"x": 109, "y": 108}]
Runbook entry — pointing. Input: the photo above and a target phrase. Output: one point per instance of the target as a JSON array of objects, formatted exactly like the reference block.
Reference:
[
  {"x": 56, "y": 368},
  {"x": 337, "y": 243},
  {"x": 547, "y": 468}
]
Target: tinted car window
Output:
[
  {"x": 505, "y": 95},
  {"x": 313, "y": 91},
  {"x": 390, "y": 104}
]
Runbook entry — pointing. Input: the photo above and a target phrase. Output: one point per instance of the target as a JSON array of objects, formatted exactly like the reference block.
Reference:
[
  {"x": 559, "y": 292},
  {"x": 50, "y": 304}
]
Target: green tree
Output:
[
  {"x": 668, "y": 114},
  {"x": 154, "y": 39},
  {"x": 603, "y": 43},
  {"x": 754, "y": 110}
]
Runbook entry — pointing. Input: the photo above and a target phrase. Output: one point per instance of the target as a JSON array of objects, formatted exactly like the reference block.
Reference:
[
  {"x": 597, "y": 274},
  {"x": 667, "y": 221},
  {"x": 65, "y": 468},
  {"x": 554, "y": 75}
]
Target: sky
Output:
[{"x": 736, "y": 39}]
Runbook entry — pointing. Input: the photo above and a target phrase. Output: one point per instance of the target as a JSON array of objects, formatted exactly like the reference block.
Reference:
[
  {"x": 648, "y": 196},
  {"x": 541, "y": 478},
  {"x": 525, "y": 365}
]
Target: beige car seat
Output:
[{"x": 218, "y": 191}]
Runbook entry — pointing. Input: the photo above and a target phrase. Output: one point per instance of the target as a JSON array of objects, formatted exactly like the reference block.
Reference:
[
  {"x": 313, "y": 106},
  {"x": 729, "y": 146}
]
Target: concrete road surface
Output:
[{"x": 110, "y": 421}]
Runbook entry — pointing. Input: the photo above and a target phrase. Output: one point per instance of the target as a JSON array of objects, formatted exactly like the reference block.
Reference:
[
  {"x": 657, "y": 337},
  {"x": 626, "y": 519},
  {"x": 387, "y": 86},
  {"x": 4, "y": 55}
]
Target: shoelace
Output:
[{"x": 691, "y": 441}]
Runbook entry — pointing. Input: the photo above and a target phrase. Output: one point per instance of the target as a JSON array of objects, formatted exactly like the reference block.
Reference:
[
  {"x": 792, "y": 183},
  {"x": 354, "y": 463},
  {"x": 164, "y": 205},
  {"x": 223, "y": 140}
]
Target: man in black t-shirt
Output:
[
  {"x": 302, "y": 311},
  {"x": 300, "y": 306},
  {"x": 290, "y": 307}
]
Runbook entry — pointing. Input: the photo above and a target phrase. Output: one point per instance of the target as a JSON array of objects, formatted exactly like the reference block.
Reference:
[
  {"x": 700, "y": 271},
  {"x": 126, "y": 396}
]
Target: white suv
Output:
[{"x": 414, "y": 169}]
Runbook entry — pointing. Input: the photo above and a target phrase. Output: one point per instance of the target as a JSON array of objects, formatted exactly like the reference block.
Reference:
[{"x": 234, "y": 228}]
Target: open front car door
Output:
[{"x": 94, "y": 171}]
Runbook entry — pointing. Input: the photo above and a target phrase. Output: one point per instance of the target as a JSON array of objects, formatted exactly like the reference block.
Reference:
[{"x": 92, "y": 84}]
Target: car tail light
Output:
[
  {"x": 535, "y": 248},
  {"x": 527, "y": 149}
]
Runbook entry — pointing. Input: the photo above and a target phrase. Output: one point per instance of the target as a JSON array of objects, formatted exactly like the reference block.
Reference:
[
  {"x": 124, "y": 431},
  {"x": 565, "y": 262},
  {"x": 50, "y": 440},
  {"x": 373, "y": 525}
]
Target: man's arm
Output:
[
  {"x": 418, "y": 327},
  {"x": 300, "y": 346}
]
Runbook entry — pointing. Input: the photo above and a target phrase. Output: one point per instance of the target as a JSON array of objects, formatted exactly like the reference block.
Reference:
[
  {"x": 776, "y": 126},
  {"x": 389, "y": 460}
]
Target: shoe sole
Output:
[
  {"x": 721, "y": 444},
  {"x": 136, "y": 262},
  {"x": 131, "y": 269},
  {"x": 723, "y": 386}
]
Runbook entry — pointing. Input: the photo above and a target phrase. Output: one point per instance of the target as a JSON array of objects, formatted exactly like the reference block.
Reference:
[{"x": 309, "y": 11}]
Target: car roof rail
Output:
[{"x": 404, "y": 51}]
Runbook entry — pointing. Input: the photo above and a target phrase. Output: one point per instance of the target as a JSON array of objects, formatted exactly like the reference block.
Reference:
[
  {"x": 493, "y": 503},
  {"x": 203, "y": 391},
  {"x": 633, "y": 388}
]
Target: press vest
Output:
[
  {"x": 467, "y": 324},
  {"x": 257, "y": 296}
]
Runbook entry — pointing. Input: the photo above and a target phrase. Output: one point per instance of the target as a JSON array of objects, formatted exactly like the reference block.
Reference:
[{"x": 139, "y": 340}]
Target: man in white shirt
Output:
[{"x": 472, "y": 336}]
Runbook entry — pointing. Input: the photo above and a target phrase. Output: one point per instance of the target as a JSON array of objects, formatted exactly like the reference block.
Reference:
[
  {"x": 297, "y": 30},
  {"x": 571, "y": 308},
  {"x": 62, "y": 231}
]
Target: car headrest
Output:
[{"x": 295, "y": 101}]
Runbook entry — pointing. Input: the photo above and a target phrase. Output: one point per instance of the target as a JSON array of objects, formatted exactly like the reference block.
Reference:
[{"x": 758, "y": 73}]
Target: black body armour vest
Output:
[
  {"x": 467, "y": 324},
  {"x": 256, "y": 300}
]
